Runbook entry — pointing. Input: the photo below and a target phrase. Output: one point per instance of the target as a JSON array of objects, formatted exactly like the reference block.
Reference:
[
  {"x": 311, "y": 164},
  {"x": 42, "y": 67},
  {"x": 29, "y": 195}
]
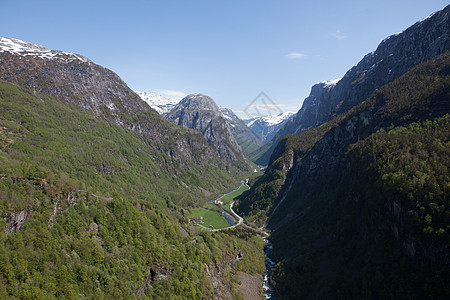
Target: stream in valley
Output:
[{"x": 268, "y": 290}]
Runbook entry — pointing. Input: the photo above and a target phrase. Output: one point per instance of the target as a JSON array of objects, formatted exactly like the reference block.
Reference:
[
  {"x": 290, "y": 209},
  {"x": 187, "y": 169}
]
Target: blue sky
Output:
[{"x": 230, "y": 50}]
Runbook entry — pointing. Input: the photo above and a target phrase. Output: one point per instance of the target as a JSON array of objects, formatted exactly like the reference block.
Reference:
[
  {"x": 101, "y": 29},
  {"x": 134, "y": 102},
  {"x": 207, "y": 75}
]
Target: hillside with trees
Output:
[
  {"x": 363, "y": 209},
  {"x": 88, "y": 211}
]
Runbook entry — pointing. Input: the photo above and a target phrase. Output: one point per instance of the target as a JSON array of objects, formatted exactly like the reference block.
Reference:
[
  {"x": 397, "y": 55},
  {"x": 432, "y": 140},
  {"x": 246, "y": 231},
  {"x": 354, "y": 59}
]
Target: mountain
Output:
[
  {"x": 75, "y": 79},
  {"x": 95, "y": 189},
  {"x": 243, "y": 135},
  {"x": 357, "y": 205},
  {"x": 70, "y": 77},
  {"x": 368, "y": 188},
  {"x": 266, "y": 127},
  {"x": 394, "y": 56},
  {"x": 201, "y": 113},
  {"x": 159, "y": 103}
]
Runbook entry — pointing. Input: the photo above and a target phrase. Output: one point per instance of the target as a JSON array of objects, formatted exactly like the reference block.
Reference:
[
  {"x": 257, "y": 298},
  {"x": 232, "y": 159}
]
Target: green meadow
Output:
[{"x": 210, "y": 217}]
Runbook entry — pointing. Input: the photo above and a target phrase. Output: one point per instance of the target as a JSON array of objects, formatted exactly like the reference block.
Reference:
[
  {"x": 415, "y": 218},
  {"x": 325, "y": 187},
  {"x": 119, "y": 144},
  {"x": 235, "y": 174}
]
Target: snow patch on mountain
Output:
[
  {"x": 24, "y": 49},
  {"x": 269, "y": 120},
  {"x": 227, "y": 113},
  {"x": 266, "y": 127},
  {"x": 331, "y": 82},
  {"x": 159, "y": 103}
]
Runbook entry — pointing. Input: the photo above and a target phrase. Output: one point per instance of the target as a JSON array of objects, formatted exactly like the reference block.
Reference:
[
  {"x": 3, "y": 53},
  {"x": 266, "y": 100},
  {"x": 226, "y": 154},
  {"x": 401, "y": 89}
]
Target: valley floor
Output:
[{"x": 211, "y": 214}]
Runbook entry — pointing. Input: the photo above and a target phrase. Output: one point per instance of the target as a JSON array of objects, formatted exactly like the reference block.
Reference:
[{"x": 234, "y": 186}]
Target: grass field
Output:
[
  {"x": 226, "y": 207},
  {"x": 228, "y": 198},
  {"x": 212, "y": 214},
  {"x": 210, "y": 217}
]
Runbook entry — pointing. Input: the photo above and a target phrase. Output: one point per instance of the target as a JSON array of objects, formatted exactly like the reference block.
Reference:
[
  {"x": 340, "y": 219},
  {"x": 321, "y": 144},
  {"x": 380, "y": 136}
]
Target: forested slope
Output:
[
  {"x": 364, "y": 211},
  {"x": 90, "y": 209}
]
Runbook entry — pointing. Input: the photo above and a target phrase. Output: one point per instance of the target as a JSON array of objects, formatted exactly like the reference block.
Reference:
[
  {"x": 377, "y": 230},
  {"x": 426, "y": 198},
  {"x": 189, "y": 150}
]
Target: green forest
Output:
[{"x": 102, "y": 215}]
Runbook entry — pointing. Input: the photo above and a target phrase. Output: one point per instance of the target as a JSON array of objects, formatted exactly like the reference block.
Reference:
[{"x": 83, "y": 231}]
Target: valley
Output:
[
  {"x": 111, "y": 193},
  {"x": 218, "y": 213}
]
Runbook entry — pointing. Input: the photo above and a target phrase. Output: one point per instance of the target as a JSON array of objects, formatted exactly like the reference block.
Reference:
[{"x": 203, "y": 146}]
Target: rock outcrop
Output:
[{"x": 15, "y": 221}]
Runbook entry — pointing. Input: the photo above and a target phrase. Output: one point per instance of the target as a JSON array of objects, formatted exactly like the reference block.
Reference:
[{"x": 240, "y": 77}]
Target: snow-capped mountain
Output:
[
  {"x": 266, "y": 127},
  {"x": 26, "y": 49},
  {"x": 159, "y": 103}
]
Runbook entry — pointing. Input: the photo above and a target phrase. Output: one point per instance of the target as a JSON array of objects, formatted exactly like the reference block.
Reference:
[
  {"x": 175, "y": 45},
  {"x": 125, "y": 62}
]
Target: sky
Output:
[{"x": 229, "y": 50}]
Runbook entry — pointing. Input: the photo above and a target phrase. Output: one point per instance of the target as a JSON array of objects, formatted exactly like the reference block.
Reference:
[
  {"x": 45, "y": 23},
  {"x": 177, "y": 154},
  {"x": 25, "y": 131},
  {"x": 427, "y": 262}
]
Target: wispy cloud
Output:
[
  {"x": 339, "y": 35},
  {"x": 296, "y": 55},
  {"x": 172, "y": 94}
]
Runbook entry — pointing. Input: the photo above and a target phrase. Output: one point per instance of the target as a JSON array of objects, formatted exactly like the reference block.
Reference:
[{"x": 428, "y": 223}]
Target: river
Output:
[
  {"x": 268, "y": 290},
  {"x": 229, "y": 218}
]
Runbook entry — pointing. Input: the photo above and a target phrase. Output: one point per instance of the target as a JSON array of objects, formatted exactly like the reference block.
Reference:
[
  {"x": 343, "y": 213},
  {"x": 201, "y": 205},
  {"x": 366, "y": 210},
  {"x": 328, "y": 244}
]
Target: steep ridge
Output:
[
  {"x": 363, "y": 208},
  {"x": 201, "y": 113},
  {"x": 70, "y": 77},
  {"x": 243, "y": 135},
  {"x": 393, "y": 57}
]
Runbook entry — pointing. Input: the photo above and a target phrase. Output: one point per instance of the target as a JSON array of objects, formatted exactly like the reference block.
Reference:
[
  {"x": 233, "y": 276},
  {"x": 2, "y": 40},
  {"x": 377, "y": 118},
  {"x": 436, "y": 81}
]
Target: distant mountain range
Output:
[
  {"x": 266, "y": 127},
  {"x": 243, "y": 135}
]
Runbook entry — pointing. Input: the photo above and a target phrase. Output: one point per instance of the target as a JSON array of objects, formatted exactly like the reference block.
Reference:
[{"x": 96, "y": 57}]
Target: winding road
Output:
[{"x": 240, "y": 222}]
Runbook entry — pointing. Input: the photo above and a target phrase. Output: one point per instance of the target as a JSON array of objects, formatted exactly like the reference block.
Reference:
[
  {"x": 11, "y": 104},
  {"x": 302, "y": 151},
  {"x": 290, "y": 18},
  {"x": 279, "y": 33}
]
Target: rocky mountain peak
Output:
[
  {"x": 70, "y": 77},
  {"x": 12, "y": 44},
  {"x": 200, "y": 102},
  {"x": 200, "y": 112}
]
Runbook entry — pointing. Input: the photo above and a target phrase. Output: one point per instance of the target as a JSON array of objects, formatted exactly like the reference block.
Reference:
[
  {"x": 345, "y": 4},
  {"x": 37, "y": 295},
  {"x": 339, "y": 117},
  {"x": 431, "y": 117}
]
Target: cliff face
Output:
[
  {"x": 393, "y": 57},
  {"x": 201, "y": 113},
  {"x": 15, "y": 221}
]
